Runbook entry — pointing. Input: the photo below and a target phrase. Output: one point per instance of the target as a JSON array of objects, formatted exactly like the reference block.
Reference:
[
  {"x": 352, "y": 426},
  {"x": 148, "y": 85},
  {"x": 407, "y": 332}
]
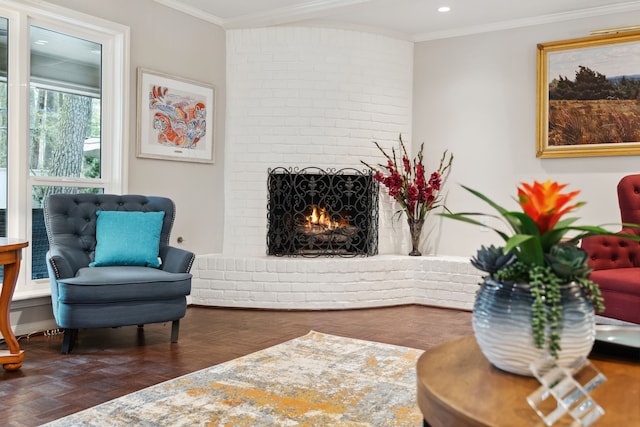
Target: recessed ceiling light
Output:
[
  {"x": 444, "y": 9},
  {"x": 40, "y": 42}
]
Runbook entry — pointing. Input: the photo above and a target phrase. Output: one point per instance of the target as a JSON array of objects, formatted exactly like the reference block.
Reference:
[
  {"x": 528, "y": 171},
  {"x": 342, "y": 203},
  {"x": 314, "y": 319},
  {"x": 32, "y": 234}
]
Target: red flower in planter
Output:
[{"x": 545, "y": 203}]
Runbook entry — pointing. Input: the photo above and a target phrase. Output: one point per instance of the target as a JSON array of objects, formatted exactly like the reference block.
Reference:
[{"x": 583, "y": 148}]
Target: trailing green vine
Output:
[
  {"x": 593, "y": 293},
  {"x": 546, "y": 310}
]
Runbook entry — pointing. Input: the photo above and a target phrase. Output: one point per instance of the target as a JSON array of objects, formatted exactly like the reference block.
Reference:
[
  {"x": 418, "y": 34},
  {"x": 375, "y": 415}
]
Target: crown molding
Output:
[
  {"x": 193, "y": 11},
  {"x": 289, "y": 14},
  {"x": 273, "y": 17},
  {"x": 309, "y": 10},
  {"x": 527, "y": 22}
]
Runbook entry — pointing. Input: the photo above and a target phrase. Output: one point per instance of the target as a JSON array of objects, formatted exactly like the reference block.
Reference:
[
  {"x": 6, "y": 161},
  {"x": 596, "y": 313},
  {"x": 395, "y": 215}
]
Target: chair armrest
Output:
[
  {"x": 65, "y": 262},
  {"x": 607, "y": 252},
  {"x": 176, "y": 260}
]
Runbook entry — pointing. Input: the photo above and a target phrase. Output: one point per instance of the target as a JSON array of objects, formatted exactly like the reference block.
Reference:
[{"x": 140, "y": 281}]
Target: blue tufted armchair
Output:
[{"x": 90, "y": 294}]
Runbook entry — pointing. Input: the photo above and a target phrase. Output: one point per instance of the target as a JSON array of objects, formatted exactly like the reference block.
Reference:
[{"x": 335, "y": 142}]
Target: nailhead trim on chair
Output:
[{"x": 71, "y": 225}]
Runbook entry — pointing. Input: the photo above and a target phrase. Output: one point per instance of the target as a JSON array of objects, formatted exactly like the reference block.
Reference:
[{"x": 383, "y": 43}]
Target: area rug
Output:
[{"x": 315, "y": 380}]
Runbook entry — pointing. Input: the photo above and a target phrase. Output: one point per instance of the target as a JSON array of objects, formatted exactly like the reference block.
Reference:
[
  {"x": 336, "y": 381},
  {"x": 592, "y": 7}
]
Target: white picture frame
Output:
[{"x": 175, "y": 118}]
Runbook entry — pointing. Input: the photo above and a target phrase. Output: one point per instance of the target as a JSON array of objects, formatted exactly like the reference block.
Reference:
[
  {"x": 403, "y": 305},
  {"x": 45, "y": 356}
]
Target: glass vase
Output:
[
  {"x": 415, "y": 228},
  {"x": 502, "y": 325}
]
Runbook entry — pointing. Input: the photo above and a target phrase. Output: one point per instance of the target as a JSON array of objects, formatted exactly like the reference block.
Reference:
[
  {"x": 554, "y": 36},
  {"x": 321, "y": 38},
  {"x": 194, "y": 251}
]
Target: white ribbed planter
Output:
[{"x": 502, "y": 326}]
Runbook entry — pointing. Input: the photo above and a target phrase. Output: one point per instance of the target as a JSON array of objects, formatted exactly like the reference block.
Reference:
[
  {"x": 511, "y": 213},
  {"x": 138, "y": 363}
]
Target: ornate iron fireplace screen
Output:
[{"x": 314, "y": 212}]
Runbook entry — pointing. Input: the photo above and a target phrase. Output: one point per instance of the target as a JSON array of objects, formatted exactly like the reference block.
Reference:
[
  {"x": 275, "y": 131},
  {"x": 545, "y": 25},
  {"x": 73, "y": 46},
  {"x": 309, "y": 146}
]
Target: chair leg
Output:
[
  {"x": 175, "y": 330},
  {"x": 68, "y": 340}
]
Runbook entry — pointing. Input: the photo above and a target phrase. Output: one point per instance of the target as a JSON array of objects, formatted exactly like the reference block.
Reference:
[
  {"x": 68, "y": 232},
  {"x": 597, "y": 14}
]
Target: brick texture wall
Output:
[
  {"x": 301, "y": 97},
  {"x": 333, "y": 283}
]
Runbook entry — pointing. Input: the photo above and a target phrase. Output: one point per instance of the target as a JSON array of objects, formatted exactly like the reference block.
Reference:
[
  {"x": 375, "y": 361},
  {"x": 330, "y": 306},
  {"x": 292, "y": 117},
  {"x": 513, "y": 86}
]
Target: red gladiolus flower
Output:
[
  {"x": 420, "y": 181},
  {"x": 545, "y": 203},
  {"x": 426, "y": 195},
  {"x": 412, "y": 193},
  {"x": 407, "y": 165},
  {"x": 406, "y": 183},
  {"x": 434, "y": 181},
  {"x": 430, "y": 199}
]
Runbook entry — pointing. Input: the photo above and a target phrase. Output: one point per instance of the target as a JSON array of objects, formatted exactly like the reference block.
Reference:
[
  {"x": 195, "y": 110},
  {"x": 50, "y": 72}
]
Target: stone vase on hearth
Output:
[{"x": 415, "y": 229}]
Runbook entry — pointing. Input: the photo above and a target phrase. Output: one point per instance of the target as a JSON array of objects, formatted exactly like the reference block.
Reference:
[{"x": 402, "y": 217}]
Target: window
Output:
[
  {"x": 4, "y": 118},
  {"x": 74, "y": 71},
  {"x": 64, "y": 123}
]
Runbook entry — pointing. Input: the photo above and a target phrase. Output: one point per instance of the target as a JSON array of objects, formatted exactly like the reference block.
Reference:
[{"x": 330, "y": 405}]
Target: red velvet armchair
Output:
[{"x": 616, "y": 261}]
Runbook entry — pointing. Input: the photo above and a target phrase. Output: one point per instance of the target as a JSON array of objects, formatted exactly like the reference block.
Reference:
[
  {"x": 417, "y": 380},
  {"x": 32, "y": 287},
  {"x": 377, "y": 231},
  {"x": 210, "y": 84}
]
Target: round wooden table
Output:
[
  {"x": 10, "y": 257},
  {"x": 457, "y": 386}
]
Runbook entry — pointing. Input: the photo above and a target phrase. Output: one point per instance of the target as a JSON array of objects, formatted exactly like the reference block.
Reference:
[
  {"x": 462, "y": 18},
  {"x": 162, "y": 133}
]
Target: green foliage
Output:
[
  {"x": 590, "y": 85},
  {"x": 492, "y": 259},
  {"x": 546, "y": 308},
  {"x": 516, "y": 272},
  {"x": 91, "y": 167},
  {"x": 568, "y": 261},
  {"x": 627, "y": 88},
  {"x": 593, "y": 292},
  {"x": 59, "y": 125}
]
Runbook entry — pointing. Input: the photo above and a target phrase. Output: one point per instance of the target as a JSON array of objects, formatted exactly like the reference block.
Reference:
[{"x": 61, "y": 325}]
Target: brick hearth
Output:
[{"x": 333, "y": 283}]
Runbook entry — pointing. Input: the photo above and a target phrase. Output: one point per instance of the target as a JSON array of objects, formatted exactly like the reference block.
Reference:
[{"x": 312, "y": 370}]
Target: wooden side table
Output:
[
  {"x": 10, "y": 257},
  {"x": 457, "y": 386}
]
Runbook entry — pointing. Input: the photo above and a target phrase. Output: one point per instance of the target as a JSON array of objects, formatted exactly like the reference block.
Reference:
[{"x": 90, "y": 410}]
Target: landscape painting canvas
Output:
[
  {"x": 589, "y": 96},
  {"x": 175, "y": 118}
]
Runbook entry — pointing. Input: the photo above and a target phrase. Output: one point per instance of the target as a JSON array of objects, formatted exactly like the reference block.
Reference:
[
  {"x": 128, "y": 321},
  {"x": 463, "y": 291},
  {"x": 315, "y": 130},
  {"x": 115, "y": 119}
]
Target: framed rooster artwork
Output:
[{"x": 175, "y": 118}]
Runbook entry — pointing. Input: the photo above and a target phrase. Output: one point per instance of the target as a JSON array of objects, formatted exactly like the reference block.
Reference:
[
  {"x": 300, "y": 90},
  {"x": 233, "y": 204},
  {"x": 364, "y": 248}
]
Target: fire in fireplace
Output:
[{"x": 314, "y": 212}]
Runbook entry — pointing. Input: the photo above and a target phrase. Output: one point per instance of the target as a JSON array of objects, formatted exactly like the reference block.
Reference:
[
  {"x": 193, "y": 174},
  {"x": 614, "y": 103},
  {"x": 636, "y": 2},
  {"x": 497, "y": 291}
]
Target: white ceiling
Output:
[{"x": 415, "y": 20}]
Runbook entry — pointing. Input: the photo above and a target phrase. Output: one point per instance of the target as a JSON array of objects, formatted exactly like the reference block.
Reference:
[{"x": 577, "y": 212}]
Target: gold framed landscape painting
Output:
[
  {"x": 175, "y": 118},
  {"x": 588, "y": 92}
]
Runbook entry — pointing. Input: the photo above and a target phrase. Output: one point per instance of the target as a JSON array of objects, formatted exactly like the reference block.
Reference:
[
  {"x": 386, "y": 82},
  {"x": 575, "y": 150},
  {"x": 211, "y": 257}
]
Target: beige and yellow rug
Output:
[{"x": 314, "y": 380}]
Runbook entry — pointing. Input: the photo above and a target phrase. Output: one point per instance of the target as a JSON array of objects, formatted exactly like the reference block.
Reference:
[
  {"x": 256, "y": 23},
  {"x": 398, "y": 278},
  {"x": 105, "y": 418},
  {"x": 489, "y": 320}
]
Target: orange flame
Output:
[{"x": 319, "y": 216}]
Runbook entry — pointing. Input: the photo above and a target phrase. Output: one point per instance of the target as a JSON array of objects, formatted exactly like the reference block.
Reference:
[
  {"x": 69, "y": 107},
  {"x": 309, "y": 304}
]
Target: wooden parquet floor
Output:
[{"x": 108, "y": 363}]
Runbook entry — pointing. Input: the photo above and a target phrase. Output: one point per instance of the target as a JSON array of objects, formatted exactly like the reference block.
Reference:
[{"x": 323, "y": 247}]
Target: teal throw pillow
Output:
[{"x": 127, "y": 238}]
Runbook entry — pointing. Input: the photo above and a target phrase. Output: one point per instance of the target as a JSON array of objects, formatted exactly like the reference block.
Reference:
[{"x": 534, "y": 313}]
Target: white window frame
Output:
[{"x": 114, "y": 39}]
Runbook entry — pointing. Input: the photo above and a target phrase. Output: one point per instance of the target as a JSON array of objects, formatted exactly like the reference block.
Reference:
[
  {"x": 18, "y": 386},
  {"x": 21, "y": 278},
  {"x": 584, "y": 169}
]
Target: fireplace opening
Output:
[{"x": 315, "y": 212}]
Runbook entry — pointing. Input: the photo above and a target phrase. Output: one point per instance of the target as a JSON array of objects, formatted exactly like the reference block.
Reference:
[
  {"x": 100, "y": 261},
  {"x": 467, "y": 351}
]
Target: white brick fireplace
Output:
[{"x": 299, "y": 97}]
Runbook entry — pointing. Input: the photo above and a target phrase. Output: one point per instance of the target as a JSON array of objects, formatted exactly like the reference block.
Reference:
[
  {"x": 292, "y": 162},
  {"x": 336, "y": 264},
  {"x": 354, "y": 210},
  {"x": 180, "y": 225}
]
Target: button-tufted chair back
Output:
[
  {"x": 71, "y": 221},
  {"x": 616, "y": 261},
  {"x": 608, "y": 252},
  {"x": 629, "y": 199}
]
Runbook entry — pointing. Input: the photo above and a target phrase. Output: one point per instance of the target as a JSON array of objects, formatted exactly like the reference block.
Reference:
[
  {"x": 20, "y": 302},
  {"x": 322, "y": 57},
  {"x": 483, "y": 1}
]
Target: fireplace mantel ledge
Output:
[{"x": 296, "y": 283}]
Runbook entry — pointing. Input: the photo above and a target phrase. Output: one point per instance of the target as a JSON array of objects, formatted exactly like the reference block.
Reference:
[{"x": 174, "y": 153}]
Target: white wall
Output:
[
  {"x": 165, "y": 40},
  {"x": 301, "y": 97},
  {"x": 476, "y": 96}
]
